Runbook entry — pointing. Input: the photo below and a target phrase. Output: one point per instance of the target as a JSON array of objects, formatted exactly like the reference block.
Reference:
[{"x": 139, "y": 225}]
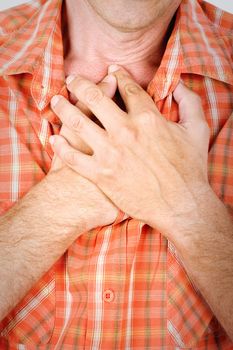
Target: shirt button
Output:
[{"x": 108, "y": 295}]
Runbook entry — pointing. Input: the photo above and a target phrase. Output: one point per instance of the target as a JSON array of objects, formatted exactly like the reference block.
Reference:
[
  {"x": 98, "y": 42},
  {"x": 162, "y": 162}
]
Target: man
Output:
[{"x": 99, "y": 251}]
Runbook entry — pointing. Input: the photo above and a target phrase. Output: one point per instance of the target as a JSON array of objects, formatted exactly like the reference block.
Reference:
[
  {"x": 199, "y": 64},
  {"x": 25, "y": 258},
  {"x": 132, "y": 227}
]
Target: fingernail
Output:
[
  {"x": 69, "y": 79},
  {"x": 108, "y": 79},
  {"x": 55, "y": 100},
  {"x": 113, "y": 68},
  {"x": 52, "y": 140}
]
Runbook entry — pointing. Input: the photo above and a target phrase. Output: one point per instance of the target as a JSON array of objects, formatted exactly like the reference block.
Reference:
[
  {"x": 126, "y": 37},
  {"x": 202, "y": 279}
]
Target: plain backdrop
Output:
[{"x": 227, "y": 5}]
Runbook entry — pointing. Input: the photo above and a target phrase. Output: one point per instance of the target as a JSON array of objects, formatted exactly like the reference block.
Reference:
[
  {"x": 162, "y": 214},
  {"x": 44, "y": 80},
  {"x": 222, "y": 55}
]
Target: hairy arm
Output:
[
  {"x": 206, "y": 250},
  {"x": 169, "y": 189},
  {"x": 40, "y": 228}
]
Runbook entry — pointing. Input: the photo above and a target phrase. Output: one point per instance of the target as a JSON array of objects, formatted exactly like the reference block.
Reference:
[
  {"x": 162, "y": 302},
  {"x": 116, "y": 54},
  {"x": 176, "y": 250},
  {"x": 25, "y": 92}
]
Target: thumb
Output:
[
  {"x": 192, "y": 117},
  {"x": 190, "y": 106}
]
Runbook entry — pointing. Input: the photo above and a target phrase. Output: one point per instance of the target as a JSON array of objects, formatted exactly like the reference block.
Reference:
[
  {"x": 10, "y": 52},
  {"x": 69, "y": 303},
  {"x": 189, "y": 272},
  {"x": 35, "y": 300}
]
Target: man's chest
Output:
[
  {"x": 126, "y": 272},
  {"x": 25, "y": 153}
]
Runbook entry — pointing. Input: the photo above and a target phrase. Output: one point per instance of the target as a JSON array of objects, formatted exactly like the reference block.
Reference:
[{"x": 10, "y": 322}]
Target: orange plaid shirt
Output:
[{"x": 121, "y": 286}]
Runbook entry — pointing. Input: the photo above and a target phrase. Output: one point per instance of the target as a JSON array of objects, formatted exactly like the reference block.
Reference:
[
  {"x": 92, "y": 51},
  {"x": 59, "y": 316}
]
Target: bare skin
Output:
[
  {"x": 142, "y": 142},
  {"x": 137, "y": 42},
  {"x": 130, "y": 33},
  {"x": 40, "y": 228}
]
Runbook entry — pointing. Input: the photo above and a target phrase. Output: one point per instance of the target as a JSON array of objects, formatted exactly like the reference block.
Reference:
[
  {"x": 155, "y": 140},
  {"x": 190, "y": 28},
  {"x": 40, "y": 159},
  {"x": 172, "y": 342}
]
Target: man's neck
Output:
[{"x": 91, "y": 44}]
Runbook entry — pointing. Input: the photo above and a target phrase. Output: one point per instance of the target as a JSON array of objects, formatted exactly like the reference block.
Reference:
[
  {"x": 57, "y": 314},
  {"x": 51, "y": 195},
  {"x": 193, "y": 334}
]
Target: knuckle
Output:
[
  {"x": 128, "y": 134},
  {"x": 114, "y": 154},
  {"x": 109, "y": 164},
  {"x": 132, "y": 89},
  {"x": 76, "y": 123},
  {"x": 147, "y": 117},
  {"x": 122, "y": 75},
  {"x": 93, "y": 95}
]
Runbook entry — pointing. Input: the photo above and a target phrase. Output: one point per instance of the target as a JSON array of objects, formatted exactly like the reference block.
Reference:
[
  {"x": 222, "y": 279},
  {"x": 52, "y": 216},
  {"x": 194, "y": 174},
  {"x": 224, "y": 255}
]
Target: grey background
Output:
[{"x": 227, "y": 5}]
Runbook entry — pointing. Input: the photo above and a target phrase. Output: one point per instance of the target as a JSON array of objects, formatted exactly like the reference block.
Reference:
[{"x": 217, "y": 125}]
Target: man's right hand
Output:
[
  {"x": 79, "y": 191},
  {"x": 37, "y": 231}
]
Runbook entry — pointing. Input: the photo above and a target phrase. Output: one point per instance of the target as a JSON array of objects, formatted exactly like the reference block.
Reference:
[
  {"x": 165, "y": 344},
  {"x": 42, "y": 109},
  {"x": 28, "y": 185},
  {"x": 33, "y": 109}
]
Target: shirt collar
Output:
[
  {"x": 195, "y": 46},
  {"x": 24, "y": 41},
  {"x": 35, "y": 46}
]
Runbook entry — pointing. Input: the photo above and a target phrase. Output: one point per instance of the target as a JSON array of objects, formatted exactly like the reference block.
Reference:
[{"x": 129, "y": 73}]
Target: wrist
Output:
[
  {"x": 64, "y": 200},
  {"x": 78, "y": 201},
  {"x": 209, "y": 219}
]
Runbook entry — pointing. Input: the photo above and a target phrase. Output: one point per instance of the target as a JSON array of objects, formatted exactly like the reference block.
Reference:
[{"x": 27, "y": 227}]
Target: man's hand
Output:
[
  {"x": 80, "y": 187},
  {"x": 149, "y": 167},
  {"x": 156, "y": 171},
  {"x": 108, "y": 85},
  {"x": 46, "y": 221}
]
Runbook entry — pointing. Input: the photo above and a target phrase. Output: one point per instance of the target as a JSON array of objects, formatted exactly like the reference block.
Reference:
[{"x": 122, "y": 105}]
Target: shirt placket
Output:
[{"x": 108, "y": 286}]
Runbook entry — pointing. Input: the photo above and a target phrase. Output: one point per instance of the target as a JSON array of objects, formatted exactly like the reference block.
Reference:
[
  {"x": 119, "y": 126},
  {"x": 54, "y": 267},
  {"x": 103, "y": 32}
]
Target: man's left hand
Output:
[{"x": 151, "y": 168}]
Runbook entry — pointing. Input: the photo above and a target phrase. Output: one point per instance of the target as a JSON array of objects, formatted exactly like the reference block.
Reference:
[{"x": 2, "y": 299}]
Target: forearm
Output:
[
  {"x": 207, "y": 254},
  {"x": 34, "y": 234}
]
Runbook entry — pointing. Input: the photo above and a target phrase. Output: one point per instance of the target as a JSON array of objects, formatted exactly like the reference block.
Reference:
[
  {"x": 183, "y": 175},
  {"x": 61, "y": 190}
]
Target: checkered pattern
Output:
[{"x": 121, "y": 286}]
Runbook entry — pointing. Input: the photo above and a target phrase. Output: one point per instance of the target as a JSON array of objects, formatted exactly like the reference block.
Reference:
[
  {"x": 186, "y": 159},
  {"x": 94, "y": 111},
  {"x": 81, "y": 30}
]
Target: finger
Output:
[
  {"x": 76, "y": 121},
  {"x": 91, "y": 95},
  {"x": 192, "y": 116},
  {"x": 108, "y": 85},
  {"x": 190, "y": 106},
  {"x": 81, "y": 163},
  {"x": 136, "y": 99}
]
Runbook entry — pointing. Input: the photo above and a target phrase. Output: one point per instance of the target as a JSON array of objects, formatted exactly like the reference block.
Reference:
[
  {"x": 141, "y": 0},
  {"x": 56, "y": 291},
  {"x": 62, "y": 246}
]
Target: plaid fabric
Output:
[{"x": 121, "y": 286}]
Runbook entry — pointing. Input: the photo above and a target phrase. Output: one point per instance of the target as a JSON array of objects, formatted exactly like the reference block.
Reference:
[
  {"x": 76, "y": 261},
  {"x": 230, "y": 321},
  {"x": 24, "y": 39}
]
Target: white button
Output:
[{"x": 108, "y": 295}]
